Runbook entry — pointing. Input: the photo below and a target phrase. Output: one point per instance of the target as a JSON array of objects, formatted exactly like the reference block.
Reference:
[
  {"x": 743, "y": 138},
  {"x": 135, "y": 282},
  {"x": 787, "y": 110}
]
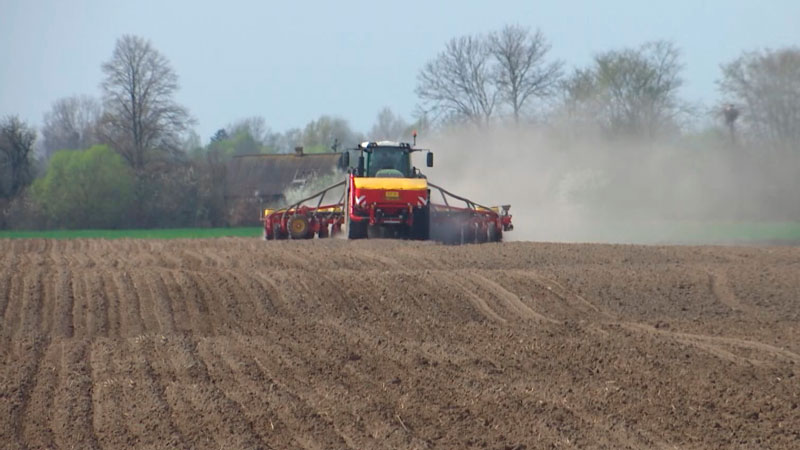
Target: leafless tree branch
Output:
[
  {"x": 521, "y": 71},
  {"x": 767, "y": 85},
  {"x": 16, "y": 150},
  {"x": 457, "y": 84},
  {"x": 141, "y": 120},
  {"x": 71, "y": 124}
]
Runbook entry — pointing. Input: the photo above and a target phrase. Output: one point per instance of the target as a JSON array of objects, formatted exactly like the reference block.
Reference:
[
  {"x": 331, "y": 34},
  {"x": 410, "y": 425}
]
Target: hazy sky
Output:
[{"x": 291, "y": 61}]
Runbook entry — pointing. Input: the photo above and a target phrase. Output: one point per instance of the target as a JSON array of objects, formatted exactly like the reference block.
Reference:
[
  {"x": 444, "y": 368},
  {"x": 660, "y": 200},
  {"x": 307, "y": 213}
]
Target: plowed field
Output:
[{"x": 240, "y": 343}]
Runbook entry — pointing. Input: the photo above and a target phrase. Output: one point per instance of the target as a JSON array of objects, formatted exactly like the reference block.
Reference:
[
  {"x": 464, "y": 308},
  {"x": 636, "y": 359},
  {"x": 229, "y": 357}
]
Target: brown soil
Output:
[{"x": 239, "y": 343}]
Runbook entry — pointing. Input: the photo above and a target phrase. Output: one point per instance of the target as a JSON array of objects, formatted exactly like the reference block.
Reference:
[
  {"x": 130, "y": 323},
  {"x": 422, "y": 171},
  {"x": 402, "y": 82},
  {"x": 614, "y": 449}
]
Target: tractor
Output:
[{"x": 385, "y": 196}]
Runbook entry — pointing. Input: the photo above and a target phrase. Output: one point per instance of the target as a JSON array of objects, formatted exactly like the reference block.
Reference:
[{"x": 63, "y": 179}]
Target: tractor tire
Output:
[
  {"x": 323, "y": 231},
  {"x": 276, "y": 232},
  {"x": 357, "y": 230},
  {"x": 421, "y": 229},
  {"x": 299, "y": 227},
  {"x": 481, "y": 234},
  {"x": 495, "y": 234},
  {"x": 376, "y": 232},
  {"x": 453, "y": 232}
]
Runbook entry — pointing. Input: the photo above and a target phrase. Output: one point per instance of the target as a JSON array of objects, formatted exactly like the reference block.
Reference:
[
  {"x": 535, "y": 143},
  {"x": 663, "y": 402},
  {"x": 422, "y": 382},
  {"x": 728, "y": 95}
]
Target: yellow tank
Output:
[{"x": 394, "y": 184}]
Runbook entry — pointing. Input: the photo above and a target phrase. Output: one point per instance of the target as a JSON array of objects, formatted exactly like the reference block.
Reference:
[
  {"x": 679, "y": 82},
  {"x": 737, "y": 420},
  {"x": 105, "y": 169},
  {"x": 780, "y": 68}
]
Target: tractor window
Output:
[
  {"x": 389, "y": 173},
  {"x": 388, "y": 162}
]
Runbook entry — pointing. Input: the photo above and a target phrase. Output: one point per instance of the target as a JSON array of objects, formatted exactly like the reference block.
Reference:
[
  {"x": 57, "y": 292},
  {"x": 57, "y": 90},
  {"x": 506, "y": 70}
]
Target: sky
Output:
[{"x": 291, "y": 62}]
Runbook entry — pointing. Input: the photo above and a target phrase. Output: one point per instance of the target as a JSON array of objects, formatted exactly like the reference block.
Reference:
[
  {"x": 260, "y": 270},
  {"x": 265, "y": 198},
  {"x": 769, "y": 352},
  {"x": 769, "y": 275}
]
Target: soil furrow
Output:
[
  {"x": 33, "y": 297},
  {"x": 110, "y": 421},
  {"x": 13, "y": 313},
  {"x": 74, "y": 416},
  {"x": 39, "y": 414},
  {"x": 151, "y": 419},
  {"x": 80, "y": 304},
  {"x": 304, "y": 424},
  {"x": 219, "y": 302},
  {"x": 223, "y": 416},
  {"x": 207, "y": 303},
  {"x": 162, "y": 304},
  {"x": 116, "y": 319},
  {"x": 148, "y": 301},
  {"x": 6, "y": 286},
  {"x": 240, "y": 302},
  {"x": 130, "y": 305},
  {"x": 63, "y": 305},
  {"x": 260, "y": 295},
  {"x": 241, "y": 383},
  {"x": 177, "y": 300},
  {"x": 16, "y": 389},
  {"x": 196, "y": 320},
  {"x": 205, "y": 316},
  {"x": 49, "y": 299},
  {"x": 511, "y": 301},
  {"x": 97, "y": 322}
]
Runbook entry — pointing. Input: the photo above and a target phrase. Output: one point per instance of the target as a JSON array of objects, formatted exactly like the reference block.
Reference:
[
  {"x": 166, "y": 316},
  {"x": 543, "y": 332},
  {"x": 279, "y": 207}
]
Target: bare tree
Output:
[
  {"x": 389, "y": 126},
  {"x": 631, "y": 92},
  {"x": 285, "y": 142},
  {"x": 254, "y": 126},
  {"x": 327, "y": 132},
  {"x": 16, "y": 151},
  {"x": 767, "y": 85},
  {"x": 71, "y": 124},
  {"x": 521, "y": 71},
  {"x": 457, "y": 84},
  {"x": 142, "y": 121},
  {"x": 243, "y": 137}
]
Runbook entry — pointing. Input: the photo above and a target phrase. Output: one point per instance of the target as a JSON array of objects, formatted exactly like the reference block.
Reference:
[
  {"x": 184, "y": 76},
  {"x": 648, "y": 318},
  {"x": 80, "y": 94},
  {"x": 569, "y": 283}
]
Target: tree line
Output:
[
  {"x": 131, "y": 158},
  {"x": 508, "y": 75}
]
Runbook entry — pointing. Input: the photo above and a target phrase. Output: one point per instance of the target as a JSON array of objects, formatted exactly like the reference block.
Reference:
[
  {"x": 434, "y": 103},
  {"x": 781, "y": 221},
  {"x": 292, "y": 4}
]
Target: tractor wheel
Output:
[
  {"x": 481, "y": 234},
  {"x": 454, "y": 232},
  {"x": 376, "y": 231},
  {"x": 421, "y": 229},
  {"x": 299, "y": 227},
  {"x": 495, "y": 235},
  {"x": 357, "y": 230},
  {"x": 276, "y": 232},
  {"x": 323, "y": 231}
]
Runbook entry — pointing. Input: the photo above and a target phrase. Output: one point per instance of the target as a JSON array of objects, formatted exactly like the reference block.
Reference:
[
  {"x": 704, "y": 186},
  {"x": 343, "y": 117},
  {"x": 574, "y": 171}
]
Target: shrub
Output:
[{"x": 85, "y": 189}]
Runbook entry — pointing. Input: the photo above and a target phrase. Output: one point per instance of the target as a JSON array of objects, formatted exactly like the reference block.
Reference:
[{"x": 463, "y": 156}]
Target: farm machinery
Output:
[{"x": 384, "y": 196}]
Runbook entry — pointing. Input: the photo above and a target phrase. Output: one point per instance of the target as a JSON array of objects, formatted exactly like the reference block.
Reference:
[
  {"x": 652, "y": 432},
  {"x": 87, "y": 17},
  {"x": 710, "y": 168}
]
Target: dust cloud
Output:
[
  {"x": 314, "y": 186},
  {"x": 568, "y": 188}
]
